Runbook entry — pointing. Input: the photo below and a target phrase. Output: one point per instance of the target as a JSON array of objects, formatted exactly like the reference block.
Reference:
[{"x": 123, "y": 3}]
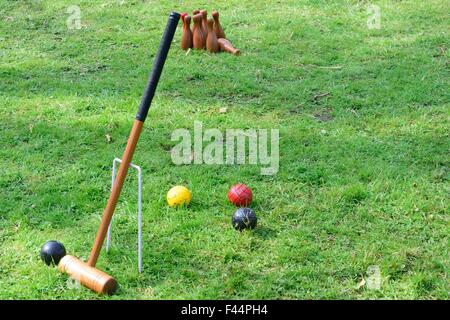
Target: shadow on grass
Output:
[{"x": 265, "y": 233}]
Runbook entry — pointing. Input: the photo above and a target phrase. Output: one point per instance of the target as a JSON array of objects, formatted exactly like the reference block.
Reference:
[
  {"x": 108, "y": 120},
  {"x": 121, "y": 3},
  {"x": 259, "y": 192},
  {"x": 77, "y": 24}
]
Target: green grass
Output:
[{"x": 364, "y": 170}]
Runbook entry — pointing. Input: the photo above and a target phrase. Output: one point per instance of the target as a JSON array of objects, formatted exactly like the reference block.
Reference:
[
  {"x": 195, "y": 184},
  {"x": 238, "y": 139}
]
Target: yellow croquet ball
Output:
[{"x": 178, "y": 196}]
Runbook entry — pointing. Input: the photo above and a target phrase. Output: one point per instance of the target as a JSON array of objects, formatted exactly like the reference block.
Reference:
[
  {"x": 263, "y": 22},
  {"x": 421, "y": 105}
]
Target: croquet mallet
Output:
[{"x": 86, "y": 273}]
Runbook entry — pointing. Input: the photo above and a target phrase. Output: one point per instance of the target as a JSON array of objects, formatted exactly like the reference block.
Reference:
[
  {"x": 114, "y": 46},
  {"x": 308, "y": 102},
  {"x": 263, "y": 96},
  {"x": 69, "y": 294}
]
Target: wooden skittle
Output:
[
  {"x": 211, "y": 41},
  {"x": 198, "y": 37},
  {"x": 227, "y": 46},
  {"x": 182, "y": 15},
  {"x": 194, "y": 13},
  {"x": 186, "y": 38},
  {"x": 204, "y": 14},
  {"x": 217, "y": 27}
]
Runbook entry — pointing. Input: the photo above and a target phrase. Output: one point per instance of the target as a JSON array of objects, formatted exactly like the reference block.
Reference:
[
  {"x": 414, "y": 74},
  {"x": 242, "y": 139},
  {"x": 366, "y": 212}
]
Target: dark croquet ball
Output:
[
  {"x": 52, "y": 251},
  {"x": 244, "y": 218}
]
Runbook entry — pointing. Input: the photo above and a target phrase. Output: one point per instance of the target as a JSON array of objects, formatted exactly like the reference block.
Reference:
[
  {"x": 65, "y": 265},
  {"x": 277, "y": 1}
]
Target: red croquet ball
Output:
[{"x": 240, "y": 195}]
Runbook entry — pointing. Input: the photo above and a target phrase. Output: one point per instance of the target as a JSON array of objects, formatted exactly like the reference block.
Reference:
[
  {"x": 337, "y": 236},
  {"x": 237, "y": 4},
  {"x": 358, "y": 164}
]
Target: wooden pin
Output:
[
  {"x": 182, "y": 15},
  {"x": 195, "y": 12},
  {"x": 211, "y": 41},
  {"x": 204, "y": 21},
  {"x": 198, "y": 37},
  {"x": 217, "y": 27},
  {"x": 226, "y": 45},
  {"x": 186, "y": 38}
]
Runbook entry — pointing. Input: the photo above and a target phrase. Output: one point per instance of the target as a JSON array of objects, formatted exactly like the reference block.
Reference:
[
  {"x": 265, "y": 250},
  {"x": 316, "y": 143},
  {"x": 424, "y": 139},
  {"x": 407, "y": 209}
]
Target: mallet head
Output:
[{"x": 88, "y": 276}]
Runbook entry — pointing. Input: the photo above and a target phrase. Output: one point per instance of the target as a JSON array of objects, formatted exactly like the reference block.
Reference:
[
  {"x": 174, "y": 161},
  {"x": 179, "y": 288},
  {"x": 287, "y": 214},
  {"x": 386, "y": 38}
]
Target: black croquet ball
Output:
[
  {"x": 244, "y": 218},
  {"x": 52, "y": 251}
]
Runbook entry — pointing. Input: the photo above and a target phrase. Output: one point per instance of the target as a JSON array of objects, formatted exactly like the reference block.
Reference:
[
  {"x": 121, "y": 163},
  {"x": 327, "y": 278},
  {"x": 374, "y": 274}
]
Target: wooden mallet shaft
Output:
[{"x": 115, "y": 192}]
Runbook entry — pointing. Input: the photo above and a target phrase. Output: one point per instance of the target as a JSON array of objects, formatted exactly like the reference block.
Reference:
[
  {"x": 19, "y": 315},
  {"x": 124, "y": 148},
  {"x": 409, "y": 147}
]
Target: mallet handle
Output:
[
  {"x": 134, "y": 136},
  {"x": 158, "y": 65}
]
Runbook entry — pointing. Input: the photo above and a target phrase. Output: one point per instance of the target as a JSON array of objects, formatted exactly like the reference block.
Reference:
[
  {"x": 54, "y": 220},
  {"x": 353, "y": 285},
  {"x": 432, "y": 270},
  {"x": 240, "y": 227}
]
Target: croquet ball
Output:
[
  {"x": 240, "y": 195},
  {"x": 52, "y": 251},
  {"x": 178, "y": 196},
  {"x": 244, "y": 218}
]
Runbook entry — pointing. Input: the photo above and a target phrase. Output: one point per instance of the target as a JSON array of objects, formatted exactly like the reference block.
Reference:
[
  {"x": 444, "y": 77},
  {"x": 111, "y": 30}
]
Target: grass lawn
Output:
[{"x": 364, "y": 170}]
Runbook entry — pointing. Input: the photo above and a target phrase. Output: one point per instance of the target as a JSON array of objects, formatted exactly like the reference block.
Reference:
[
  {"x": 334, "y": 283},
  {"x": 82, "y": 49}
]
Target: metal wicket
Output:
[{"x": 108, "y": 239}]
